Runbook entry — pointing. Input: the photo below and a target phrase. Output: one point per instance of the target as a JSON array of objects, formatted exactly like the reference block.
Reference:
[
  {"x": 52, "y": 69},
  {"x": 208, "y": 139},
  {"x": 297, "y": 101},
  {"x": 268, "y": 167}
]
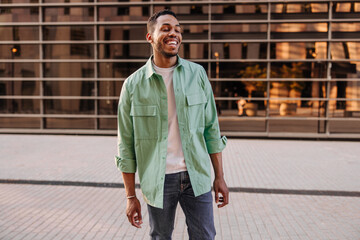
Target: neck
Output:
[{"x": 164, "y": 62}]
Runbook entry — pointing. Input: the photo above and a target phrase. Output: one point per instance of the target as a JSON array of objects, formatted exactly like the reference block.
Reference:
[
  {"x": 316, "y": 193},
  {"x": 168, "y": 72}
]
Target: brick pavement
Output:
[{"x": 68, "y": 212}]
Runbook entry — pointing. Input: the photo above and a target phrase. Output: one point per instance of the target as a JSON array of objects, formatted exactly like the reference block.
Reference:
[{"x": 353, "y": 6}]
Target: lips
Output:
[{"x": 171, "y": 42}]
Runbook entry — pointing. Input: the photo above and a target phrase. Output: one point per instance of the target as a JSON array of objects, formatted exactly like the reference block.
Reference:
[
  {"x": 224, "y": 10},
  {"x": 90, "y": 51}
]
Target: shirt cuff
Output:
[
  {"x": 216, "y": 145},
  {"x": 125, "y": 165}
]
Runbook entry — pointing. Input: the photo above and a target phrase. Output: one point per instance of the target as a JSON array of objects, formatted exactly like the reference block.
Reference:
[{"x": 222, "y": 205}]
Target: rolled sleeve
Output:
[
  {"x": 216, "y": 145},
  {"x": 125, "y": 165}
]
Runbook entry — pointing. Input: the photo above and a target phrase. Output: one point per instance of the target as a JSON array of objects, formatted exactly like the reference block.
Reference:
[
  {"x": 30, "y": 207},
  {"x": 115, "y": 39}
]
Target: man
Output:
[{"x": 167, "y": 127}]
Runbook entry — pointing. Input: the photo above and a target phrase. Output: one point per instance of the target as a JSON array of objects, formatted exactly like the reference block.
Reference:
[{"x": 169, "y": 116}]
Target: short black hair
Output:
[{"x": 152, "y": 20}]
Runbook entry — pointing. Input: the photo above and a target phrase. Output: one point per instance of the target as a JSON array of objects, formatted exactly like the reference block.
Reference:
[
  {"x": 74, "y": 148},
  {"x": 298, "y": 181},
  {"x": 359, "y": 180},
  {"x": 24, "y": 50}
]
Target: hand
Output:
[
  {"x": 221, "y": 192},
  {"x": 133, "y": 212}
]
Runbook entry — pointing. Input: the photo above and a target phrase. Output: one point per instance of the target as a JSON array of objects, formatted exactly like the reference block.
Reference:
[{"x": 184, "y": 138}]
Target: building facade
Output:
[{"x": 277, "y": 68}]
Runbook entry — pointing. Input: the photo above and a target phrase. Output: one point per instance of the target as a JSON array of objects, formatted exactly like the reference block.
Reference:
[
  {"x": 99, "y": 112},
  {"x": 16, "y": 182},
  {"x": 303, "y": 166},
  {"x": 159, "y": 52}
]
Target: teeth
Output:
[{"x": 172, "y": 43}]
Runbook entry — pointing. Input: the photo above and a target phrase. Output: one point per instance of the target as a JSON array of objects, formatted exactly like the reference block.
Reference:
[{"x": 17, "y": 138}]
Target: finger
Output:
[
  {"x": 139, "y": 216},
  {"x": 216, "y": 196},
  {"x": 134, "y": 221},
  {"x": 225, "y": 200}
]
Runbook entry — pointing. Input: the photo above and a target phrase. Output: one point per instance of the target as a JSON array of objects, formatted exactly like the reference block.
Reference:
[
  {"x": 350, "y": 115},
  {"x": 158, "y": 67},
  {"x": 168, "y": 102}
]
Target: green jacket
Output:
[{"x": 143, "y": 127}]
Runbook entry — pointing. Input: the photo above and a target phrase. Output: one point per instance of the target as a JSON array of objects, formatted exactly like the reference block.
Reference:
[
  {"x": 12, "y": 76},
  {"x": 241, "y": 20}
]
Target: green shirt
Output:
[{"x": 143, "y": 127}]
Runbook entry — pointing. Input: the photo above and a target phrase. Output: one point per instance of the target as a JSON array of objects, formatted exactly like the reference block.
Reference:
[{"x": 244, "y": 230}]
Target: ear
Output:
[{"x": 149, "y": 38}]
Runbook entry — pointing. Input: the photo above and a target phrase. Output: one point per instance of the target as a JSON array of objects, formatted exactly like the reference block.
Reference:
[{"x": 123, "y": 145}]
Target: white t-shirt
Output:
[{"x": 175, "y": 161}]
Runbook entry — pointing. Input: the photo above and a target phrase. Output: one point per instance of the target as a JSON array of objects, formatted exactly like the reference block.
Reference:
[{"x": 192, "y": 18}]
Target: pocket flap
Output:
[
  {"x": 141, "y": 111},
  {"x": 197, "y": 98}
]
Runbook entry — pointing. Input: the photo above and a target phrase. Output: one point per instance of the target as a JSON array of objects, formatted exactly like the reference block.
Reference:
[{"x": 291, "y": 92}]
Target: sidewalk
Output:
[{"x": 30, "y": 211}]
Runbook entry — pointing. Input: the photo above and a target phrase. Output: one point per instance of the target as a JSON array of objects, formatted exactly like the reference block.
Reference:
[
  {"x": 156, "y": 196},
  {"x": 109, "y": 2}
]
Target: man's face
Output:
[{"x": 166, "y": 36}]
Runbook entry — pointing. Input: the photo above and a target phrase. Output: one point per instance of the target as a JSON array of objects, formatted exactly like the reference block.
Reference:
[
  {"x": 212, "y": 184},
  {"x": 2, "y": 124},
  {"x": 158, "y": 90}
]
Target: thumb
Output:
[{"x": 216, "y": 196}]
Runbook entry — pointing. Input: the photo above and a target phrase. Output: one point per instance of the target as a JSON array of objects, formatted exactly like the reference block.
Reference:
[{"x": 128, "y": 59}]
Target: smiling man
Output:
[{"x": 168, "y": 131}]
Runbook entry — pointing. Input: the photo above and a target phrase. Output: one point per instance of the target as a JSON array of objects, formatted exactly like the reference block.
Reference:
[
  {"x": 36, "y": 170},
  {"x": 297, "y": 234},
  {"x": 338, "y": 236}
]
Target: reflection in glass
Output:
[
  {"x": 124, "y": 51},
  {"x": 109, "y": 88},
  {"x": 345, "y": 30},
  {"x": 345, "y": 50},
  {"x": 341, "y": 108},
  {"x": 124, "y": 13},
  {"x": 345, "y": 70},
  {"x": 128, "y": 32},
  {"x": 187, "y": 12},
  {"x": 238, "y": 70},
  {"x": 298, "y": 50},
  {"x": 18, "y": 33},
  {"x": 68, "y": 106},
  {"x": 297, "y": 126},
  {"x": 192, "y": 32},
  {"x": 69, "y": 88},
  {"x": 68, "y": 51},
  {"x": 69, "y": 14},
  {"x": 241, "y": 108},
  {"x": 298, "y": 70},
  {"x": 20, "y": 106},
  {"x": 19, "y": 69},
  {"x": 19, "y": 88},
  {"x": 69, "y": 123},
  {"x": 75, "y": 69},
  {"x": 19, "y": 51},
  {"x": 108, "y": 107},
  {"x": 344, "y": 127},
  {"x": 118, "y": 69},
  {"x": 346, "y": 9},
  {"x": 19, "y": 1},
  {"x": 299, "y": 11},
  {"x": 30, "y": 14},
  {"x": 238, "y": 11},
  {"x": 298, "y": 89},
  {"x": 299, "y": 30},
  {"x": 345, "y": 89},
  {"x": 297, "y": 108},
  {"x": 238, "y": 31},
  {"x": 194, "y": 50},
  {"x": 239, "y": 50},
  {"x": 242, "y": 124},
  {"x": 67, "y": 1},
  {"x": 244, "y": 89},
  {"x": 14, "y": 122},
  {"x": 73, "y": 33},
  {"x": 108, "y": 123}
]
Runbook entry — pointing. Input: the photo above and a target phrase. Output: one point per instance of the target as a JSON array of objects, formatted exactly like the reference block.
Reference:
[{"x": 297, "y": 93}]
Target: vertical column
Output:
[
  {"x": 268, "y": 66},
  {"x": 41, "y": 66},
  {"x": 96, "y": 85},
  {"x": 329, "y": 65},
  {"x": 209, "y": 41}
]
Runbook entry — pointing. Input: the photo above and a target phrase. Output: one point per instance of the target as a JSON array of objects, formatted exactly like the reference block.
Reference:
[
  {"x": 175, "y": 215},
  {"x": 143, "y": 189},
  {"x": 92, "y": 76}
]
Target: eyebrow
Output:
[{"x": 168, "y": 24}]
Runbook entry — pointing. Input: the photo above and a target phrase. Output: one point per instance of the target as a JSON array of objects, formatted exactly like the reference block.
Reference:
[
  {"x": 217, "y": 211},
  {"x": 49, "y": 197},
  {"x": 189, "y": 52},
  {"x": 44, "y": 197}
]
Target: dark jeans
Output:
[{"x": 198, "y": 210}]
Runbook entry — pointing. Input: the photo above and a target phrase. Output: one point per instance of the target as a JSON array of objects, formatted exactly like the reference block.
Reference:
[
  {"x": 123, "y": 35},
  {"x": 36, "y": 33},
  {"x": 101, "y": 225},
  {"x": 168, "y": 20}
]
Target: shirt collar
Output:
[{"x": 150, "y": 70}]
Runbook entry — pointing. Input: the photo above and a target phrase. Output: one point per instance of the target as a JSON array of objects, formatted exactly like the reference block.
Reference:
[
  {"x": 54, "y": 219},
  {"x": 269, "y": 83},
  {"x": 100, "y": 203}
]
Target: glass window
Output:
[
  {"x": 299, "y": 11},
  {"x": 68, "y": 14},
  {"x": 297, "y": 126},
  {"x": 108, "y": 107},
  {"x": 238, "y": 11},
  {"x": 344, "y": 127},
  {"x": 68, "y": 106},
  {"x": 67, "y": 1},
  {"x": 68, "y": 51},
  {"x": 298, "y": 70},
  {"x": 19, "y": 33},
  {"x": 299, "y": 30},
  {"x": 298, "y": 89},
  {"x": 297, "y": 108},
  {"x": 345, "y": 30},
  {"x": 239, "y": 50},
  {"x": 345, "y": 70},
  {"x": 69, "y": 88},
  {"x": 30, "y": 14},
  {"x": 20, "y": 106},
  {"x": 124, "y": 51},
  {"x": 129, "y": 32},
  {"x": 238, "y": 31},
  {"x": 187, "y": 12},
  {"x": 69, "y": 33},
  {"x": 118, "y": 69},
  {"x": 242, "y": 125},
  {"x": 193, "y": 32},
  {"x": 107, "y": 124},
  {"x": 69, "y": 123},
  {"x": 243, "y": 89},
  {"x": 16, "y": 122},
  {"x": 298, "y": 50},
  {"x": 75, "y": 69},
  {"x": 194, "y": 50},
  {"x": 110, "y": 88},
  {"x": 19, "y": 51},
  {"x": 345, "y": 50},
  {"x": 19, "y": 1},
  {"x": 345, "y": 89},
  {"x": 241, "y": 108},
  {"x": 346, "y": 9},
  {"x": 341, "y": 109},
  {"x": 18, "y": 69},
  {"x": 238, "y": 70},
  {"x": 19, "y": 88},
  {"x": 124, "y": 13}
]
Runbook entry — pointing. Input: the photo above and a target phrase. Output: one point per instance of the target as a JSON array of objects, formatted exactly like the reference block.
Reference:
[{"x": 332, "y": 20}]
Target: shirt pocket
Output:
[
  {"x": 144, "y": 121},
  {"x": 196, "y": 107}
]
